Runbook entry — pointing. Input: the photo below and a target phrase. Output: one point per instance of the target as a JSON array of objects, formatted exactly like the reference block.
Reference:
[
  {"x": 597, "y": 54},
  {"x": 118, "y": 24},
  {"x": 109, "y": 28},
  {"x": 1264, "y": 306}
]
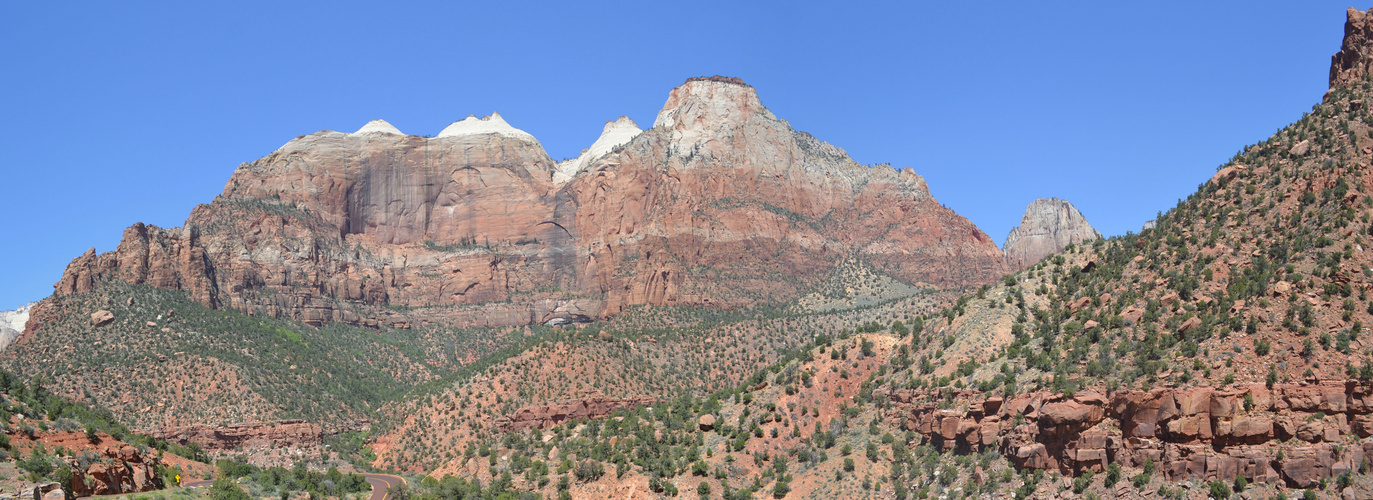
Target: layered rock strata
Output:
[
  {"x": 719, "y": 203},
  {"x": 1048, "y": 226},
  {"x": 247, "y": 435}
]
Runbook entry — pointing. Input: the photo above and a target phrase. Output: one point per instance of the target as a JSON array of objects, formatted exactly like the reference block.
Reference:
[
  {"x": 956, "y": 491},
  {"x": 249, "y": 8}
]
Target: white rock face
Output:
[
  {"x": 493, "y": 124},
  {"x": 379, "y": 127},
  {"x": 614, "y": 134},
  {"x": 12, "y": 323},
  {"x": 1048, "y": 226}
]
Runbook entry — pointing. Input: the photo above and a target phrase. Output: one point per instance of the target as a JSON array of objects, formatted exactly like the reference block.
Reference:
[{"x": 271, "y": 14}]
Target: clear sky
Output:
[{"x": 114, "y": 113}]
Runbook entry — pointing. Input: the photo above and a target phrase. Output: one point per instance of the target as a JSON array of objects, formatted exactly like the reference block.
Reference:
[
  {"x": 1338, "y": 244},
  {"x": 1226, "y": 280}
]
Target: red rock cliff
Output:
[
  {"x": 719, "y": 203},
  {"x": 1353, "y": 62}
]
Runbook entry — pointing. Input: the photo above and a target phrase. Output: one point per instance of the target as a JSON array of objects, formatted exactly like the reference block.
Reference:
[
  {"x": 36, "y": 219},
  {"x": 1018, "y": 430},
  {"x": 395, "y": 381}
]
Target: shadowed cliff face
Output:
[{"x": 719, "y": 203}]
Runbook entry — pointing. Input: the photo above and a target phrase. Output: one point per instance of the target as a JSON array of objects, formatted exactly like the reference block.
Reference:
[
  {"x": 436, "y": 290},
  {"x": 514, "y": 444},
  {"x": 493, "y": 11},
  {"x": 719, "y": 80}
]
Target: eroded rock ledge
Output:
[
  {"x": 1294, "y": 434},
  {"x": 545, "y": 416},
  {"x": 245, "y": 435}
]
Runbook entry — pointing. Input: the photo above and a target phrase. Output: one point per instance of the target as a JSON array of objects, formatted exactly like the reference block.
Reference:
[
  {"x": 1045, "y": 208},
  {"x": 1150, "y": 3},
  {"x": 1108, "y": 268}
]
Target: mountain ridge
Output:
[{"x": 338, "y": 226}]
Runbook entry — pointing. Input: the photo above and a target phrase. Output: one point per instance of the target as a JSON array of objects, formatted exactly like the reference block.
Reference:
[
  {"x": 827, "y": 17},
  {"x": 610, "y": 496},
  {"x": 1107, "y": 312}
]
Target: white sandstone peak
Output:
[
  {"x": 615, "y": 133},
  {"x": 709, "y": 100},
  {"x": 380, "y": 127},
  {"x": 492, "y": 124},
  {"x": 12, "y": 323}
]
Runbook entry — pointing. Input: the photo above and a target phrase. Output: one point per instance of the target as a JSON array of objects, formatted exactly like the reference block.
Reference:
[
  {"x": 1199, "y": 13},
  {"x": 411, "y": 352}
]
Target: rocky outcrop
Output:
[
  {"x": 546, "y": 416},
  {"x": 124, "y": 470},
  {"x": 720, "y": 203},
  {"x": 248, "y": 435},
  {"x": 1293, "y": 434},
  {"x": 1352, "y": 64},
  {"x": 150, "y": 255},
  {"x": 1048, "y": 226}
]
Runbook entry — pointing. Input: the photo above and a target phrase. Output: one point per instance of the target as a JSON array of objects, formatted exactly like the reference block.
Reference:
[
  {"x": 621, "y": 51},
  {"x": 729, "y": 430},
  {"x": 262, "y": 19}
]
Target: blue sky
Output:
[{"x": 115, "y": 114}]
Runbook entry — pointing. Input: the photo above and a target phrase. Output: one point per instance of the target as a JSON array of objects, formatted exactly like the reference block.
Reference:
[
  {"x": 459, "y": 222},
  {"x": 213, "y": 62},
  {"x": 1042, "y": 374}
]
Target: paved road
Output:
[{"x": 381, "y": 484}]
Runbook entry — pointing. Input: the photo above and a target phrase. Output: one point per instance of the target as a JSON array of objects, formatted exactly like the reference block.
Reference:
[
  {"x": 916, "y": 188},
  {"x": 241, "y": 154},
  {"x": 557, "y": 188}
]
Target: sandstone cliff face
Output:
[
  {"x": 720, "y": 183},
  {"x": 1048, "y": 226},
  {"x": 1352, "y": 64},
  {"x": 332, "y": 223},
  {"x": 719, "y": 203}
]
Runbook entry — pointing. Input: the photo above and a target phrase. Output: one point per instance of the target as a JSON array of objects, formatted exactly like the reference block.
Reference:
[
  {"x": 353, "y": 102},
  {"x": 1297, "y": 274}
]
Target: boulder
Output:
[
  {"x": 1189, "y": 324},
  {"x": 1080, "y": 303},
  {"x": 706, "y": 422},
  {"x": 1226, "y": 174},
  {"x": 101, "y": 318}
]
